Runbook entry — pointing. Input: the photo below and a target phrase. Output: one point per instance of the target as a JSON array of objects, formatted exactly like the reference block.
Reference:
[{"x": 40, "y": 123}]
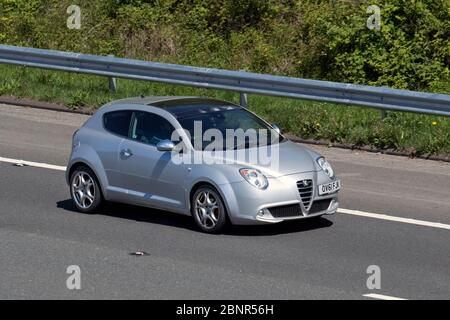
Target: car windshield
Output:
[{"x": 227, "y": 128}]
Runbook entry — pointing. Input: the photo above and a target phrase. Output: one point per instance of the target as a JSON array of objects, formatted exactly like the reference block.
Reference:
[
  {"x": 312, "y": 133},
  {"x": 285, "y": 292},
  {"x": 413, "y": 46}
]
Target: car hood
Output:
[{"x": 278, "y": 160}]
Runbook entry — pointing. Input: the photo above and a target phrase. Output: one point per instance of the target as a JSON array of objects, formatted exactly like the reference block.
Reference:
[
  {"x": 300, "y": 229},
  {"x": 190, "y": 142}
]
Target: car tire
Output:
[
  {"x": 85, "y": 190},
  {"x": 208, "y": 210}
]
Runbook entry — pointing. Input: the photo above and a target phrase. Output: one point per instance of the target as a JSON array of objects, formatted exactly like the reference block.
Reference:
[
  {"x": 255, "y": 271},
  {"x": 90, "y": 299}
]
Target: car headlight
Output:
[
  {"x": 254, "y": 177},
  {"x": 326, "y": 167}
]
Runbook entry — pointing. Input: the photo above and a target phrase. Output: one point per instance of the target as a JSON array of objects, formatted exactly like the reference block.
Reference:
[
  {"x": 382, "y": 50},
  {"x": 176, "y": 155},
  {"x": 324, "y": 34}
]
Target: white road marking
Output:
[
  {"x": 381, "y": 296},
  {"x": 33, "y": 164},
  {"x": 341, "y": 210},
  {"x": 394, "y": 218}
]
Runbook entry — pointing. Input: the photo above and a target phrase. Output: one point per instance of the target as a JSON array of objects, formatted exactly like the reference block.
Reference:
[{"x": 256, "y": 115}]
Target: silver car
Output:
[{"x": 211, "y": 159}]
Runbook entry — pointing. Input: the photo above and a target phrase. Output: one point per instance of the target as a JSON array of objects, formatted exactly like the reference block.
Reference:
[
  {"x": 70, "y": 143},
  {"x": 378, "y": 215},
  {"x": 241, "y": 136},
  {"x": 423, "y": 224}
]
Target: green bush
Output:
[
  {"x": 411, "y": 51},
  {"x": 305, "y": 38}
]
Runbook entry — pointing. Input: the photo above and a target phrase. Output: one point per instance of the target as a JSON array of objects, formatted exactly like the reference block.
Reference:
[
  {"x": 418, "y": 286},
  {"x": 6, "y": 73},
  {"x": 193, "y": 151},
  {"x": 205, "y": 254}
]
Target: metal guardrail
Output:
[{"x": 238, "y": 81}]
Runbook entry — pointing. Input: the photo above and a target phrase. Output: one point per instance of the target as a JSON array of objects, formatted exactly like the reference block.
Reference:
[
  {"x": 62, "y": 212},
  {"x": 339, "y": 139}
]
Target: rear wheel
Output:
[
  {"x": 85, "y": 190},
  {"x": 208, "y": 210}
]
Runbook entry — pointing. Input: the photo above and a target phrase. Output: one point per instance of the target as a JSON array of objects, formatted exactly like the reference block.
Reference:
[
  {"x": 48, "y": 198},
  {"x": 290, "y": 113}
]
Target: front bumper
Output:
[{"x": 279, "y": 202}]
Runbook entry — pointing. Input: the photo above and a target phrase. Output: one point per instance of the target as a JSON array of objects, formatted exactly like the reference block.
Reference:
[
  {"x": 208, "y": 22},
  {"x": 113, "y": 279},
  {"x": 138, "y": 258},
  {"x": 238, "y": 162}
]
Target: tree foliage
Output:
[{"x": 304, "y": 38}]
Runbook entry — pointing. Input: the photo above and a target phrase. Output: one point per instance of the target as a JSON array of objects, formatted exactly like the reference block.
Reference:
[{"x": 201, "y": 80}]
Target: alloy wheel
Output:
[
  {"x": 83, "y": 190},
  {"x": 207, "y": 209}
]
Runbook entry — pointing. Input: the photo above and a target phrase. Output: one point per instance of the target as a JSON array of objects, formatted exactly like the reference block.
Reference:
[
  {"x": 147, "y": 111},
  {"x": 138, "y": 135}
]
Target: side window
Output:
[
  {"x": 150, "y": 128},
  {"x": 118, "y": 122}
]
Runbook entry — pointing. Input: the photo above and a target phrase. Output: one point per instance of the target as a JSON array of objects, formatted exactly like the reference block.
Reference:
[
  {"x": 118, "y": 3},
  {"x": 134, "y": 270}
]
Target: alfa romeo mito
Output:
[{"x": 213, "y": 160}]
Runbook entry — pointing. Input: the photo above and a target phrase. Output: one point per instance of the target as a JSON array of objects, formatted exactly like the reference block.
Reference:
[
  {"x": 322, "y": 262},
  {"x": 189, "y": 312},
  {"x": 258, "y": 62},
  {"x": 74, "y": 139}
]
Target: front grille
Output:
[
  {"x": 305, "y": 189},
  {"x": 291, "y": 210},
  {"x": 294, "y": 210},
  {"x": 319, "y": 205}
]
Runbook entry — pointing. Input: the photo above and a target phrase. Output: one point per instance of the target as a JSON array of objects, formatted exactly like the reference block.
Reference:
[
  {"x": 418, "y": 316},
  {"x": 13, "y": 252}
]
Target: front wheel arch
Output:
[{"x": 200, "y": 184}]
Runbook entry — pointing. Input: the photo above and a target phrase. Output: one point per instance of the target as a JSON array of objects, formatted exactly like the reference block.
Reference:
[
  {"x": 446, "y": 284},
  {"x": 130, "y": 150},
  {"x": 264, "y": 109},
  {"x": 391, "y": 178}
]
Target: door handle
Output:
[{"x": 126, "y": 153}]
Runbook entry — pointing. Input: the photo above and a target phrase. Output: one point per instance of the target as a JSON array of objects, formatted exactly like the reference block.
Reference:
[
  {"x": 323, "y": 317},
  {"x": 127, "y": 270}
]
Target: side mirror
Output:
[
  {"x": 165, "y": 145},
  {"x": 276, "y": 128}
]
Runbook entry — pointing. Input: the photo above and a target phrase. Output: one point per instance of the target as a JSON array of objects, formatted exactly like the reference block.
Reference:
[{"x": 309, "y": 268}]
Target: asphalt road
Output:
[{"x": 41, "y": 233}]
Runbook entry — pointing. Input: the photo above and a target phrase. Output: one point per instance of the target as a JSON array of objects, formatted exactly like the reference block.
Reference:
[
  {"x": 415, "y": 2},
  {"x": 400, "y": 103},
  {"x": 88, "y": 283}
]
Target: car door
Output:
[
  {"x": 116, "y": 125},
  {"x": 149, "y": 175}
]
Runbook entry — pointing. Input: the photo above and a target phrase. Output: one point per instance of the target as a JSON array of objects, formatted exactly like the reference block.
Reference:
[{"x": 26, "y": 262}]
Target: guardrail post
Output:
[
  {"x": 112, "y": 81},
  {"x": 112, "y": 84},
  {"x": 383, "y": 114},
  {"x": 243, "y": 99}
]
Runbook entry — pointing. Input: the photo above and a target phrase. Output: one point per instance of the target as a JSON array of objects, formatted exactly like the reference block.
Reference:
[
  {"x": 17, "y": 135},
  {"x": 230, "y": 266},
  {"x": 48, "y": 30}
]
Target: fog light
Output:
[
  {"x": 260, "y": 213},
  {"x": 333, "y": 206}
]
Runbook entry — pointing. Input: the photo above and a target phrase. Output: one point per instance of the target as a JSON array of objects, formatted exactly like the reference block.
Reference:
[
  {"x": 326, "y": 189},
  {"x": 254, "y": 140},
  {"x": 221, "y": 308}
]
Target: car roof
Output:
[{"x": 181, "y": 106}]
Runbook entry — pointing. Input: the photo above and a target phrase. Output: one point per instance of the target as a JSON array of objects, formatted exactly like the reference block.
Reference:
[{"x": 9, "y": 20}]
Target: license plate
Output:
[{"x": 329, "y": 187}]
